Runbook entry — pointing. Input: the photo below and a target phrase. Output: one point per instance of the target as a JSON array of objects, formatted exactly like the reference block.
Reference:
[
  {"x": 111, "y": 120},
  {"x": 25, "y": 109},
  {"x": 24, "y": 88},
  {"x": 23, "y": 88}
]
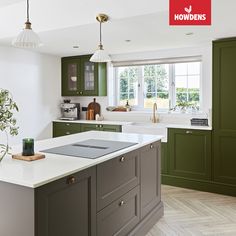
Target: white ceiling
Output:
[{"x": 62, "y": 24}]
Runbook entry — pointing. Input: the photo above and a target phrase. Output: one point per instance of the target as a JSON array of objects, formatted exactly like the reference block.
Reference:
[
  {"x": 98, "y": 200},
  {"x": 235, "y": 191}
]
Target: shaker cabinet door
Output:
[
  {"x": 71, "y": 77},
  {"x": 67, "y": 206},
  {"x": 150, "y": 181}
]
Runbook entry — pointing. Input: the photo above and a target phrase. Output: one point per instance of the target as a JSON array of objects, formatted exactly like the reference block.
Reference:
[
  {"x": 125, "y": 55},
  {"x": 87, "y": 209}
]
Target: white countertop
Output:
[
  {"x": 102, "y": 122},
  {"x": 148, "y": 124},
  {"x": 40, "y": 172}
]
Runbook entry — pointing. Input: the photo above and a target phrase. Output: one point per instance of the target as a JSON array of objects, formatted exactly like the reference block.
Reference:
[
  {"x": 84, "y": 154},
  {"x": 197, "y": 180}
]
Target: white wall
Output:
[{"x": 34, "y": 81}]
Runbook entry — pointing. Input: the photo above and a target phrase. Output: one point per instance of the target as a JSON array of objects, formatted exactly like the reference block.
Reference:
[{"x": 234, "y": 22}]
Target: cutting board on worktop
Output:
[{"x": 95, "y": 106}]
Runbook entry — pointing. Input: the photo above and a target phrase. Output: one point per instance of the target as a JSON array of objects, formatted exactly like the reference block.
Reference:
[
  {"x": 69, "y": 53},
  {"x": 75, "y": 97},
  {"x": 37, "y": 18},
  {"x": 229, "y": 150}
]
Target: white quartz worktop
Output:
[
  {"x": 102, "y": 122},
  {"x": 40, "y": 172}
]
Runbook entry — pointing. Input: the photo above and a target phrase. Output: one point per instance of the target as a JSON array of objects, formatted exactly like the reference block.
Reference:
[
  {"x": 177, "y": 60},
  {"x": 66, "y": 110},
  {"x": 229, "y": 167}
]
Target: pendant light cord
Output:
[
  {"x": 100, "y": 33},
  {"x": 27, "y": 10}
]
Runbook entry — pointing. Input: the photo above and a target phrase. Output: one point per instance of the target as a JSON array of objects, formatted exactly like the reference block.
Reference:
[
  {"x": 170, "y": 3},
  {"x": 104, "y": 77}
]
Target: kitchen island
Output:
[{"x": 116, "y": 194}]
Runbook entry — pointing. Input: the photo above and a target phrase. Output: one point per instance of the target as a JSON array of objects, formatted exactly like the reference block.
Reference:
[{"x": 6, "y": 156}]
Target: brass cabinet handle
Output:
[
  {"x": 122, "y": 203},
  {"x": 151, "y": 146},
  {"x": 189, "y": 132},
  {"x": 67, "y": 132},
  {"x": 122, "y": 159},
  {"x": 71, "y": 180}
]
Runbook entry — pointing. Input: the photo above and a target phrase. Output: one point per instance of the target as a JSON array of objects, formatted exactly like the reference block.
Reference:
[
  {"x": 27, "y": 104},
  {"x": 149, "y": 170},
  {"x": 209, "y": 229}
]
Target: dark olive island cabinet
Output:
[
  {"x": 121, "y": 196},
  {"x": 80, "y": 77}
]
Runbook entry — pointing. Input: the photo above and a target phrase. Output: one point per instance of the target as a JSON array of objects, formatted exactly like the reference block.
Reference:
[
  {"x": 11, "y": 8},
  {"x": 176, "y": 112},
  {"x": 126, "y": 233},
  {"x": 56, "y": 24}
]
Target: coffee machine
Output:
[{"x": 70, "y": 111}]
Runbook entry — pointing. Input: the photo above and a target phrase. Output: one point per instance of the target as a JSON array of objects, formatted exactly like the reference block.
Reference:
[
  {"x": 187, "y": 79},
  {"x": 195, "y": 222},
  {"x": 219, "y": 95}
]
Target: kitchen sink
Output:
[{"x": 146, "y": 128}]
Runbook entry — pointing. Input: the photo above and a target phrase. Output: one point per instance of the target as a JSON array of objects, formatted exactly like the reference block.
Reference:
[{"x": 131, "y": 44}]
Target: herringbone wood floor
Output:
[{"x": 190, "y": 212}]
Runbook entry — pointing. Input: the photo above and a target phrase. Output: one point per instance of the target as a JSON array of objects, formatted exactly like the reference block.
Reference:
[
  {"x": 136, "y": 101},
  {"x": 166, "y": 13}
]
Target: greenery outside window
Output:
[{"x": 169, "y": 85}]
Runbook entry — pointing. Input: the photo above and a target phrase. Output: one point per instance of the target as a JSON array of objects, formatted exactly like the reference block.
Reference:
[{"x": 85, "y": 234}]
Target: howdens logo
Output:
[{"x": 190, "y": 12}]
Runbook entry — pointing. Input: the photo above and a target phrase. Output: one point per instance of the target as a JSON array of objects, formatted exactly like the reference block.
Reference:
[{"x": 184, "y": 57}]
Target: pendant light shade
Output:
[
  {"x": 100, "y": 54},
  {"x": 27, "y": 37}
]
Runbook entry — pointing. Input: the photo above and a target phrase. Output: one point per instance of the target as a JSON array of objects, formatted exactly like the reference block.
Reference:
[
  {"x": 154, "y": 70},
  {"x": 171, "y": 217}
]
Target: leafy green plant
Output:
[{"x": 7, "y": 120}]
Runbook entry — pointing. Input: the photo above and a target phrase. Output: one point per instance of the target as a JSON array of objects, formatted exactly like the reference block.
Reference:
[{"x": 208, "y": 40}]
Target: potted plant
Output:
[{"x": 7, "y": 121}]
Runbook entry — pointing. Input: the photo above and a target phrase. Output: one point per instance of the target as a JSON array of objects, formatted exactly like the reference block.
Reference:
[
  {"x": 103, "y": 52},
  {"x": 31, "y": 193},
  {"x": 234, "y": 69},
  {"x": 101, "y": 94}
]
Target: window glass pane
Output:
[
  {"x": 187, "y": 86},
  {"x": 194, "y": 81},
  {"x": 181, "y": 81},
  {"x": 156, "y": 86},
  {"x": 128, "y": 84},
  {"x": 194, "y": 68},
  {"x": 181, "y": 69}
]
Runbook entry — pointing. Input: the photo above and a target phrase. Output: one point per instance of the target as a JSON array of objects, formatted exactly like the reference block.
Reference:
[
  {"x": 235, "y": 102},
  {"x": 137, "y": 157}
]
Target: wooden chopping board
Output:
[
  {"x": 36, "y": 156},
  {"x": 95, "y": 106}
]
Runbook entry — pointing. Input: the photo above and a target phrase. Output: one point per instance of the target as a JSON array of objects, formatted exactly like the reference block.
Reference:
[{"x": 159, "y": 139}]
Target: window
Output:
[{"x": 166, "y": 84}]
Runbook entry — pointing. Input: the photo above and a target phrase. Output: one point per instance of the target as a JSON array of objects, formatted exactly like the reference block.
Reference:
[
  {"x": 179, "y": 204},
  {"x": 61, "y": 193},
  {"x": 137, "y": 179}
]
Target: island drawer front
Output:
[
  {"x": 121, "y": 216},
  {"x": 116, "y": 177},
  {"x": 67, "y": 128},
  {"x": 67, "y": 206}
]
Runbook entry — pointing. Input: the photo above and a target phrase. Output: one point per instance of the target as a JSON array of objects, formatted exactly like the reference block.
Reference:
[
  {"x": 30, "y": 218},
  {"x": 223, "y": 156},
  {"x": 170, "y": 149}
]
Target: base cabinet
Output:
[
  {"x": 67, "y": 206},
  {"x": 150, "y": 177},
  {"x": 121, "y": 216},
  {"x": 119, "y": 197},
  {"x": 190, "y": 153},
  {"x": 67, "y": 128},
  {"x": 109, "y": 128}
]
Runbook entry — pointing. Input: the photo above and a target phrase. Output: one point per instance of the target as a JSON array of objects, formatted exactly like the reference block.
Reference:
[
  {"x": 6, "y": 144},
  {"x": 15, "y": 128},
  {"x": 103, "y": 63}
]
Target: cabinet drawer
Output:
[
  {"x": 116, "y": 177},
  {"x": 67, "y": 128},
  {"x": 120, "y": 217}
]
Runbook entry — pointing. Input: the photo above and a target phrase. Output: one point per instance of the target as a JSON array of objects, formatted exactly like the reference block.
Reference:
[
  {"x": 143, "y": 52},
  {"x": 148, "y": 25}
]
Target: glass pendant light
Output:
[
  {"x": 27, "y": 37},
  {"x": 100, "y": 54}
]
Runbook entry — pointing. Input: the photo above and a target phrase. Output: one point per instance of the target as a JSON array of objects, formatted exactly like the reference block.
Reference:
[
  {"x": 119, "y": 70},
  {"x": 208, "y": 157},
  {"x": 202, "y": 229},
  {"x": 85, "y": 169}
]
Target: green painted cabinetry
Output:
[
  {"x": 110, "y": 128},
  {"x": 67, "y": 128},
  {"x": 190, "y": 153},
  {"x": 80, "y": 77},
  {"x": 164, "y": 158},
  {"x": 224, "y": 112}
]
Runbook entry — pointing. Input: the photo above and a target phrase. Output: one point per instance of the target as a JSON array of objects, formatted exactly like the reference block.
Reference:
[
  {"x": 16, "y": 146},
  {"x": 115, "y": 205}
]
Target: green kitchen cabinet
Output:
[
  {"x": 164, "y": 158},
  {"x": 110, "y": 128},
  {"x": 189, "y": 153},
  {"x": 80, "y": 77},
  {"x": 224, "y": 113},
  {"x": 65, "y": 128}
]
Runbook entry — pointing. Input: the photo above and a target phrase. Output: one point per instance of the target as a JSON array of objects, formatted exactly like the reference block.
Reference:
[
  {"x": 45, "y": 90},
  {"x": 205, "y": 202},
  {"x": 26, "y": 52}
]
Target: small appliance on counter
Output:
[{"x": 70, "y": 111}]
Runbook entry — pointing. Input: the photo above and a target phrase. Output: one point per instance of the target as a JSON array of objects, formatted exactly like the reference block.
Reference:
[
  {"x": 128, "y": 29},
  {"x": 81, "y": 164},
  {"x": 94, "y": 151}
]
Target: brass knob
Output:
[
  {"x": 189, "y": 132},
  {"x": 71, "y": 180},
  {"x": 122, "y": 203},
  {"x": 122, "y": 159}
]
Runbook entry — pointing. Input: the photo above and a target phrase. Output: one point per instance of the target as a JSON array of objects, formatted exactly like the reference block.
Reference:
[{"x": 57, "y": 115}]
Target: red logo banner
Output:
[{"x": 190, "y": 12}]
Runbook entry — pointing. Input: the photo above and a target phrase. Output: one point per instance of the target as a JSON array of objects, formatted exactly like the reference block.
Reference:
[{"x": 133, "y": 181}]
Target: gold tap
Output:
[{"x": 155, "y": 118}]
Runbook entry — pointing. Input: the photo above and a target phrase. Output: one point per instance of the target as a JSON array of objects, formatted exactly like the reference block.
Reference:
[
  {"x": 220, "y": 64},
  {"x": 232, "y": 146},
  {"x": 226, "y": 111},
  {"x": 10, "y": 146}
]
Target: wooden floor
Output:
[{"x": 190, "y": 212}]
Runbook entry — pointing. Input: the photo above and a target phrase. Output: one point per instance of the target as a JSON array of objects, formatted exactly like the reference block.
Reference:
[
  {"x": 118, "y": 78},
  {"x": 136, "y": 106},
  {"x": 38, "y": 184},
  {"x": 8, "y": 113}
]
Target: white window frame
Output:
[{"x": 172, "y": 90}]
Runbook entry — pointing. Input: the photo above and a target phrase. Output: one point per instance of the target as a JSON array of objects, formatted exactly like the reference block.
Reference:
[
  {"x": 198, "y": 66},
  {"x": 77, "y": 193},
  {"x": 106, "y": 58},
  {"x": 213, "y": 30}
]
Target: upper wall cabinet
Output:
[{"x": 80, "y": 77}]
